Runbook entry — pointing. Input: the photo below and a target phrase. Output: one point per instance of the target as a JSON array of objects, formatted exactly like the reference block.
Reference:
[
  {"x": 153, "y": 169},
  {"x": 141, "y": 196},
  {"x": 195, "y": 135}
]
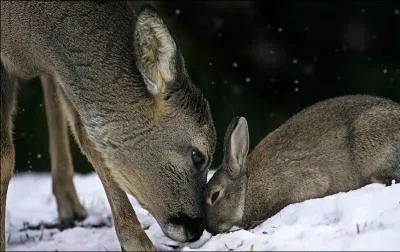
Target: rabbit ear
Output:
[{"x": 236, "y": 146}]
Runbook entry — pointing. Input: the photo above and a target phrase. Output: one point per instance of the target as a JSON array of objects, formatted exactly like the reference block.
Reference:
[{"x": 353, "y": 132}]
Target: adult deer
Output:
[{"x": 121, "y": 82}]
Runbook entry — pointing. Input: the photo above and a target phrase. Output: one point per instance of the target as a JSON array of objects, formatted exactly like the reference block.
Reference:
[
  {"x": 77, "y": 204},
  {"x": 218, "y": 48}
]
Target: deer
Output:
[
  {"x": 119, "y": 80},
  {"x": 335, "y": 145}
]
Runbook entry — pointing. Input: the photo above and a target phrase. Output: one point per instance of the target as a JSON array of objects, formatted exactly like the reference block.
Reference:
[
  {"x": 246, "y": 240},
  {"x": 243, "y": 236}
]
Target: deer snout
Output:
[{"x": 184, "y": 228}]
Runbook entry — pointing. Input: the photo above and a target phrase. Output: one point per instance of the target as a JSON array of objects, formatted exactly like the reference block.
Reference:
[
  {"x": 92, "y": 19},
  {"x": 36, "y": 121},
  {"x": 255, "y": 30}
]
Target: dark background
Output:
[{"x": 262, "y": 60}]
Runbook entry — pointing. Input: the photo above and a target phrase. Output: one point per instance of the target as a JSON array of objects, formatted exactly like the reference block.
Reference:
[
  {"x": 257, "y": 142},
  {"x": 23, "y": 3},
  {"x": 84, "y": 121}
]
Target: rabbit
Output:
[{"x": 336, "y": 145}]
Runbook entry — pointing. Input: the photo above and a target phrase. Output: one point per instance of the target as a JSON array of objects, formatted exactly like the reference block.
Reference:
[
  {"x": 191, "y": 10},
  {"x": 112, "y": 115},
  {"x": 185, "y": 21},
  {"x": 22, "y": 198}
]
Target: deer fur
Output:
[
  {"x": 335, "y": 145},
  {"x": 120, "y": 82}
]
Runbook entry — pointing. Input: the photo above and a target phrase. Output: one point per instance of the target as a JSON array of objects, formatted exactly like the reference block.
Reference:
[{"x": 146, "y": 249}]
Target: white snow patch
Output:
[{"x": 363, "y": 219}]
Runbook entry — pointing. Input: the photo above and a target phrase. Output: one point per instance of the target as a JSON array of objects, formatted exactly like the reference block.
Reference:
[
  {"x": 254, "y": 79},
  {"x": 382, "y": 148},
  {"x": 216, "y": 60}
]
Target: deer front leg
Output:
[
  {"x": 8, "y": 86},
  {"x": 68, "y": 205},
  {"x": 127, "y": 226}
]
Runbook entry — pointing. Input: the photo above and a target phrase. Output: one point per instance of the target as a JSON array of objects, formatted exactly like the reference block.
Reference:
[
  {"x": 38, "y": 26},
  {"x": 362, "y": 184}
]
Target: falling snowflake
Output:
[
  {"x": 247, "y": 80},
  {"x": 280, "y": 29},
  {"x": 296, "y": 81},
  {"x": 39, "y": 156},
  {"x": 296, "y": 89},
  {"x": 210, "y": 63},
  {"x": 295, "y": 61},
  {"x": 385, "y": 71},
  {"x": 212, "y": 82},
  {"x": 235, "y": 64},
  {"x": 218, "y": 23},
  {"x": 396, "y": 12},
  {"x": 236, "y": 90},
  {"x": 177, "y": 11},
  {"x": 219, "y": 34},
  {"x": 309, "y": 69}
]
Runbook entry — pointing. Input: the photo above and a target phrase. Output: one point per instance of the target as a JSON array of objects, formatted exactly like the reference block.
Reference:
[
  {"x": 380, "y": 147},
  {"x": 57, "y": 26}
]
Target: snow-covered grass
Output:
[{"x": 363, "y": 219}]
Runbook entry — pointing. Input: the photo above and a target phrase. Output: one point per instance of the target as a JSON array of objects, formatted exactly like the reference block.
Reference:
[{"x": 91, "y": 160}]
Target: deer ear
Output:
[
  {"x": 156, "y": 53},
  {"x": 236, "y": 146}
]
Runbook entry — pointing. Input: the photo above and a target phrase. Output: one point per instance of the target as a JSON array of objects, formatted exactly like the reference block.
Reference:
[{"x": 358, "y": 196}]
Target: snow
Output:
[{"x": 363, "y": 219}]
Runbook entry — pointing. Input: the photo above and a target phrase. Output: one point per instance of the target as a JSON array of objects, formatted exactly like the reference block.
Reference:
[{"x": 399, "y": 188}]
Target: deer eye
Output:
[{"x": 199, "y": 160}]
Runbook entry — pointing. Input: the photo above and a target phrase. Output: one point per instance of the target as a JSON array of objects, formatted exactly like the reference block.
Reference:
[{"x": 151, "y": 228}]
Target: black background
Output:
[{"x": 262, "y": 60}]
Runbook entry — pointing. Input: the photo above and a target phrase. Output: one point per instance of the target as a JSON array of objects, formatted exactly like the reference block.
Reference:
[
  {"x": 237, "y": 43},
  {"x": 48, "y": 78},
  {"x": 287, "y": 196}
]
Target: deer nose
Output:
[
  {"x": 195, "y": 228},
  {"x": 192, "y": 228}
]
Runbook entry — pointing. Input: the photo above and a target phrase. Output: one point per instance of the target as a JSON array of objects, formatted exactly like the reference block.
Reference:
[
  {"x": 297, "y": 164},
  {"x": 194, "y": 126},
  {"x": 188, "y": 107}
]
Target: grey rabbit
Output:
[{"x": 335, "y": 145}]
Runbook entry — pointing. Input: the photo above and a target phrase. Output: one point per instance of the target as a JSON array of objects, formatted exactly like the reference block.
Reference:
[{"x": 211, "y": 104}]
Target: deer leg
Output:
[
  {"x": 62, "y": 170},
  {"x": 129, "y": 232},
  {"x": 8, "y": 95}
]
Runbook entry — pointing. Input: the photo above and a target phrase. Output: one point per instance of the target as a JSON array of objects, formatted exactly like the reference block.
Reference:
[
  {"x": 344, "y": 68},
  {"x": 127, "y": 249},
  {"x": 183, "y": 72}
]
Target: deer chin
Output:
[
  {"x": 175, "y": 232},
  {"x": 234, "y": 228}
]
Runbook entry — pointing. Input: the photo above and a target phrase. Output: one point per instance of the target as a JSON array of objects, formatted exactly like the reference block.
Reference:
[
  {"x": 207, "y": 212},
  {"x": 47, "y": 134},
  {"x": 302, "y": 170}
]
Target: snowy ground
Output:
[{"x": 364, "y": 219}]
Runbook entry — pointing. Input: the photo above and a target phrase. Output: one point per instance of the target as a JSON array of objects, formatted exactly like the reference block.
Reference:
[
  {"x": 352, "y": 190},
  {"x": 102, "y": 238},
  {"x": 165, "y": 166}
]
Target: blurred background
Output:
[{"x": 262, "y": 60}]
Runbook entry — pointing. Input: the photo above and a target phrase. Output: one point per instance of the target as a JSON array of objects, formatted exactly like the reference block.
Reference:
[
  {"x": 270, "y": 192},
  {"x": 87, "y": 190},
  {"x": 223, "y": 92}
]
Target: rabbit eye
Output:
[{"x": 214, "y": 197}]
